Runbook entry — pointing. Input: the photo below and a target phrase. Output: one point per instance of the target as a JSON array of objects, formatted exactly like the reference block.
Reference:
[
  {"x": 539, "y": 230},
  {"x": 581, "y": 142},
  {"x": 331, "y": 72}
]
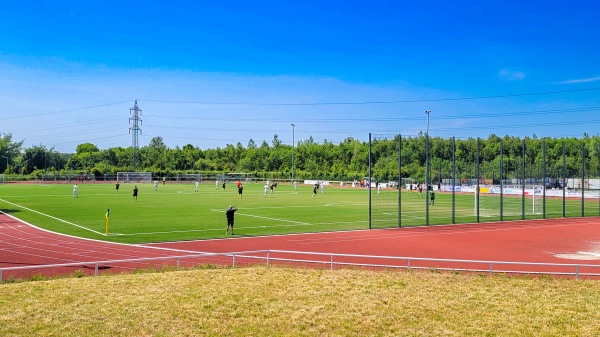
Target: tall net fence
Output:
[
  {"x": 470, "y": 180},
  {"x": 385, "y": 193}
]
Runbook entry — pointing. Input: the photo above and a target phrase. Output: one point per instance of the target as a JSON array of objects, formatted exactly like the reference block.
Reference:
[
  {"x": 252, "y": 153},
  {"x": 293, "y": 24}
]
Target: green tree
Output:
[{"x": 9, "y": 151}]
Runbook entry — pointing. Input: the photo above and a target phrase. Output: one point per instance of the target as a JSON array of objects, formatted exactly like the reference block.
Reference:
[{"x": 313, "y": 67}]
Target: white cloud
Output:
[
  {"x": 511, "y": 75},
  {"x": 580, "y": 80}
]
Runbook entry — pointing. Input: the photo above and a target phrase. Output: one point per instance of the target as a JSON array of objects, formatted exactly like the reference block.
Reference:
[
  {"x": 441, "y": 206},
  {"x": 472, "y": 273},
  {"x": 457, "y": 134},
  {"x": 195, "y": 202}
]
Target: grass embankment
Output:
[{"x": 305, "y": 302}]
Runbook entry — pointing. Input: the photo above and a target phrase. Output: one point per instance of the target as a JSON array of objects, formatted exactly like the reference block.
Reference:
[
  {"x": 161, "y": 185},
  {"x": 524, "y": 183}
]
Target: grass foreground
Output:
[{"x": 300, "y": 302}]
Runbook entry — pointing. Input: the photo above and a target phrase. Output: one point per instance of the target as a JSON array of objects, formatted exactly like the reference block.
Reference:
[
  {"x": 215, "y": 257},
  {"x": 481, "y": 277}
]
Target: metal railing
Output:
[{"x": 333, "y": 261}]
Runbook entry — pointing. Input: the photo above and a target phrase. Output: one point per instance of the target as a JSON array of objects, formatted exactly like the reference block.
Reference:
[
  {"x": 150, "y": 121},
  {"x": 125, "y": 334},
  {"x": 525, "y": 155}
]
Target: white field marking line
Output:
[
  {"x": 389, "y": 235},
  {"x": 53, "y": 217},
  {"x": 297, "y": 206},
  {"x": 220, "y": 229},
  {"x": 264, "y": 236},
  {"x": 87, "y": 239},
  {"x": 345, "y": 203},
  {"x": 239, "y": 227},
  {"x": 267, "y": 218},
  {"x": 167, "y": 232}
]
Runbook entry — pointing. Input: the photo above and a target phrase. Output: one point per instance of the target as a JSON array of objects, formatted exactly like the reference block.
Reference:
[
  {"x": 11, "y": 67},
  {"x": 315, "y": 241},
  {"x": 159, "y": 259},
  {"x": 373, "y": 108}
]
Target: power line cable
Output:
[
  {"x": 375, "y": 102},
  {"x": 63, "y": 111}
]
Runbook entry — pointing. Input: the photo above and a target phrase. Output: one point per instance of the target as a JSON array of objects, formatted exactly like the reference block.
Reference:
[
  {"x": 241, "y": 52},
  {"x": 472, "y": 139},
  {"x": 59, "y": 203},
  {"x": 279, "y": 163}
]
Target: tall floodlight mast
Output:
[{"x": 135, "y": 121}]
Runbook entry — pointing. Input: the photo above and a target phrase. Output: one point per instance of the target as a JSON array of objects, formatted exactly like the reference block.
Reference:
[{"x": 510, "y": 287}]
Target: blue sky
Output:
[{"x": 217, "y": 73}]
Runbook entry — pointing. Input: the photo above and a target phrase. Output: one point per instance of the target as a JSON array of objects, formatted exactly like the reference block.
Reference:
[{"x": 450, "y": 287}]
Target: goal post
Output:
[
  {"x": 488, "y": 201},
  {"x": 134, "y": 177},
  {"x": 235, "y": 176},
  {"x": 189, "y": 178}
]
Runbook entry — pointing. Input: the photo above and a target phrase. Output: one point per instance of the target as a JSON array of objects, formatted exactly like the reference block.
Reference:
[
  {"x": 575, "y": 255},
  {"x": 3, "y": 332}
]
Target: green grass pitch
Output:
[{"x": 177, "y": 212}]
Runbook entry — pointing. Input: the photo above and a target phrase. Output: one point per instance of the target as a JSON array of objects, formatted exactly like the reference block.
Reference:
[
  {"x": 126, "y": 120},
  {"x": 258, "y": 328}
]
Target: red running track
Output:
[
  {"x": 22, "y": 244},
  {"x": 572, "y": 241},
  {"x": 546, "y": 241}
]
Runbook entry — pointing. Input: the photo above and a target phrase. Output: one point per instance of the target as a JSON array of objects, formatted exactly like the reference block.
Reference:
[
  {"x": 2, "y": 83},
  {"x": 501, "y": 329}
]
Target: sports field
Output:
[{"x": 176, "y": 212}]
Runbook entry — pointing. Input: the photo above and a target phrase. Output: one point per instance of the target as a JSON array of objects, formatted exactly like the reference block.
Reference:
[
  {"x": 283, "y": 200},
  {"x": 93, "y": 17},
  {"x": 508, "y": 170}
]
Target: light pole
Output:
[
  {"x": 427, "y": 170},
  {"x": 293, "y": 146}
]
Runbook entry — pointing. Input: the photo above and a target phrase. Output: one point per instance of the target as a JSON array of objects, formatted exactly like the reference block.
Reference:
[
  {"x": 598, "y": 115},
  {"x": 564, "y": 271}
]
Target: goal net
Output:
[
  {"x": 513, "y": 205},
  {"x": 134, "y": 177},
  {"x": 235, "y": 176},
  {"x": 189, "y": 178}
]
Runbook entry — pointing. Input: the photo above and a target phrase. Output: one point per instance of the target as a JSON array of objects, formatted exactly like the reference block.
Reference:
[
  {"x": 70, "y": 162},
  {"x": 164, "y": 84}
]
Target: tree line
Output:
[{"x": 309, "y": 159}]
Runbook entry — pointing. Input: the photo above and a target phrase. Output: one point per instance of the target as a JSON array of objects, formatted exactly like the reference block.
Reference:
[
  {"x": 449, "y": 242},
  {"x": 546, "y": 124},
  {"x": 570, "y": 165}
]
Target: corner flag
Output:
[{"x": 107, "y": 216}]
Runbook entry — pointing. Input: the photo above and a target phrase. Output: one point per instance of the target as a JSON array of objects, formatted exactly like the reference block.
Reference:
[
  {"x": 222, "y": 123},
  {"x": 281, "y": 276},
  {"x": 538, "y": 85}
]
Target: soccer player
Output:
[
  {"x": 117, "y": 186},
  {"x": 135, "y": 193},
  {"x": 196, "y": 190},
  {"x": 315, "y": 189},
  {"x": 156, "y": 185},
  {"x": 75, "y": 191},
  {"x": 217, "y": 184},
  {"x": 431, "y": 198},
  {"x": 230, "y": 214},
  {"x": 266, "y": 187},
  {"x": 322, "y": 187},
  {"x": 378, "y": 188},
  {"x": 240, "y": 190},
  {"x": 295, "y": 185}
]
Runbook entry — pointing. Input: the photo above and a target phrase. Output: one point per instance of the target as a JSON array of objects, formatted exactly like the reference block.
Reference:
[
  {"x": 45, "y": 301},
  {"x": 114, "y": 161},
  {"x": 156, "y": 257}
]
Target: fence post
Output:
[
  {"x": 0, "y": 275},
  {"x": 331, "y": 259},
  {"x": 491, "y": 268},
  {"x": 268, "y": 258},
  {"x": 577, "y": 272},
  {"x": 233, "y": 261},
  {"x": 408, "y": 265},
  {"x": 96, "y": 269},
  {"x": 178, "y": 262}
]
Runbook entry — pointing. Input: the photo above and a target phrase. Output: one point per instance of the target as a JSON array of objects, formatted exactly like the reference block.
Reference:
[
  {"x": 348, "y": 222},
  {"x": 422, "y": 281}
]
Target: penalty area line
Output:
[
  {"x": 53, "y": 217},
  {"x": 267, "y": 218}
]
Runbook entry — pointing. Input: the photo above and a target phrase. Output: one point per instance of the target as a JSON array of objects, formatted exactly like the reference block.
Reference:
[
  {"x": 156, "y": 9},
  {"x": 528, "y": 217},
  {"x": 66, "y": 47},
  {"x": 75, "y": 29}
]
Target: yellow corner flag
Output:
[{"x": 107, "y": 216}]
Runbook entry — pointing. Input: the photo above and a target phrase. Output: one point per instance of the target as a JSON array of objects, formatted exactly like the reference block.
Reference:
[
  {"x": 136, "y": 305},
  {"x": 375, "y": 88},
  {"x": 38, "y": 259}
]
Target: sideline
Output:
[{"x": 53, "y": 217}]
